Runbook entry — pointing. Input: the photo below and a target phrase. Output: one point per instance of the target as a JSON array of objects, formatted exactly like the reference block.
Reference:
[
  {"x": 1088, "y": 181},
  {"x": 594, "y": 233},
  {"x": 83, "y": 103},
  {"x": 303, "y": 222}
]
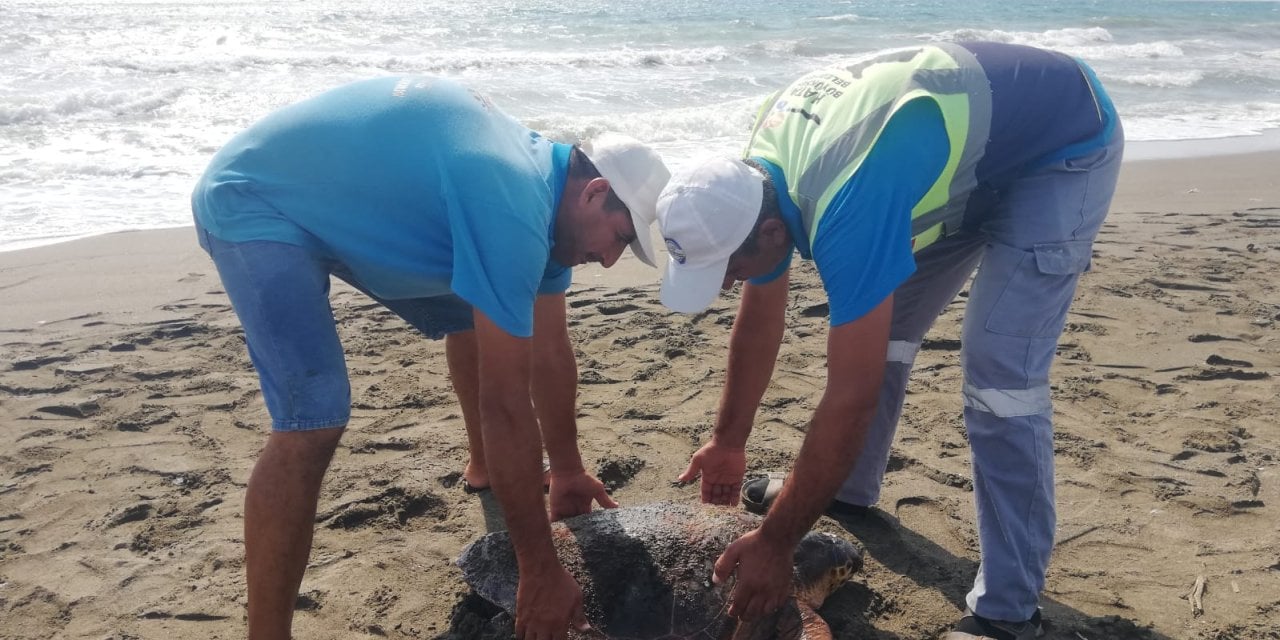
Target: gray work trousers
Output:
[{"x": 1029, "y": 250}]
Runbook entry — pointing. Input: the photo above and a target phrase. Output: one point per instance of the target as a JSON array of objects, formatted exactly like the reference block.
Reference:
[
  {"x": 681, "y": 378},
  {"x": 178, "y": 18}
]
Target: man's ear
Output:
[
  {"x": 596, "y": 188},
  {"x": 774, "y": 233}
]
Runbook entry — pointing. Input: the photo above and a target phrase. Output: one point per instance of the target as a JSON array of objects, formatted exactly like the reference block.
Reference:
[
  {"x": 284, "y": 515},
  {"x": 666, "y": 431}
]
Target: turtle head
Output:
[{"x": 823, "y": 563}]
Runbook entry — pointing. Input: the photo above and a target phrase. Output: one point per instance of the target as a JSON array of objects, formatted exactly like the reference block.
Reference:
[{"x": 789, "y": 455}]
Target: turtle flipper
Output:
[
  {"x": 812, "y": 626},
  {"x": 789, "y": 622}
]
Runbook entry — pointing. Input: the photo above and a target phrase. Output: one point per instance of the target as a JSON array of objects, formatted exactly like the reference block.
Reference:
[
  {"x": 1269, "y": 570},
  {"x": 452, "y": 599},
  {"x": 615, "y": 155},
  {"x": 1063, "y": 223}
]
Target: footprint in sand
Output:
[
  {"x": 616, "y": 308},
  {"x": 394, "y": 508},
  {"x": 936, "y": 521},
  {"x": 617, "y": 471},
  {"x": 73, "y": 408},
  {"x": 1209, "y": 337},
  {"x": 1224, "y": 374}
]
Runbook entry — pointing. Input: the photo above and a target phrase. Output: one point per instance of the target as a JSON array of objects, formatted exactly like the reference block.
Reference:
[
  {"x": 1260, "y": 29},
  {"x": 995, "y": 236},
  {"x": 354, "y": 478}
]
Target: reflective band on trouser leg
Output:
[
  {"x": 1011, "y": 437},
  {"x": 902, "y": 352},
  {"x": 1013, "y": 492},
  {"x": 1008, "y": 403}
]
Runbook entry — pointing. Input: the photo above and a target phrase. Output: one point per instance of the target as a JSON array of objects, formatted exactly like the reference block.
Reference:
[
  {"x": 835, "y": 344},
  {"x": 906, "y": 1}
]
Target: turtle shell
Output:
[{"x": 645, "y": 571}]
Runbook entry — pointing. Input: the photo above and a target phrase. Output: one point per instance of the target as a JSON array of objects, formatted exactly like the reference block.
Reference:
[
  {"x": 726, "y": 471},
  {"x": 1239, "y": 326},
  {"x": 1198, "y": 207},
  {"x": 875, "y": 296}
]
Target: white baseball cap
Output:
[
  {"x": 636, "y": 174},
  {"x": 704, "y": 214}
]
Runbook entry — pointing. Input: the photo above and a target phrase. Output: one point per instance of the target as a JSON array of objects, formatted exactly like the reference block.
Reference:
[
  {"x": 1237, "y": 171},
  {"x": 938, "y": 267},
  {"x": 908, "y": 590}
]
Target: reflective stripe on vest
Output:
[{"x": 820, "y": 129}]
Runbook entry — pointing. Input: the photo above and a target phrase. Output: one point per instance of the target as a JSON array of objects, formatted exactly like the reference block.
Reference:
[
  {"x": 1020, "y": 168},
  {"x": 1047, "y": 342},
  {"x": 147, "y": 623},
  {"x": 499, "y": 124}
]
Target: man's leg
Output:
[
  {"x": 464, "y": 371},
  {"x": 450, "y": 317},
  {"x": 1042, "y": 233},
  {"x": 280, "y": 294},
  {"x": 279, "y": 518},
  {"x": 941, "y": 271}
]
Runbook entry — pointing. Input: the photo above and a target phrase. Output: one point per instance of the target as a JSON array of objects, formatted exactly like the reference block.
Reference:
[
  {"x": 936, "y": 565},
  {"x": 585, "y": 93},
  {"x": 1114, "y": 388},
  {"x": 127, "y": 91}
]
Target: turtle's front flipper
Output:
[
  {"x": 789, "y": 622},
  {"x": 812, "y": 626}
]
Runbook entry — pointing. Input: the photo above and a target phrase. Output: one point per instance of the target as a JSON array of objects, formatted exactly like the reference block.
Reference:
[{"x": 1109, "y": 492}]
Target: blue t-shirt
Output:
[
  {"x": 862, "y": 247},
  {"x": 418, "y": 185}
]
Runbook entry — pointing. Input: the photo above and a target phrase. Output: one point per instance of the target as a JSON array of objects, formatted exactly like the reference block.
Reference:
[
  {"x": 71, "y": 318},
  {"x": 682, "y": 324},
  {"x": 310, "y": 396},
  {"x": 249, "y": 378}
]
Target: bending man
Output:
[
  {"x": 466, "y": 224},
  {"x": 898, "y": 175}
]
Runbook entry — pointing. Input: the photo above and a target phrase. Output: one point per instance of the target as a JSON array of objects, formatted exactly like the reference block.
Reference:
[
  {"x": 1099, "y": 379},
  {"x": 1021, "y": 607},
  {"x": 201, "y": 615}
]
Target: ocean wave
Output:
[
  {"x": 1160, "y": 80},
  {"x": 844, "y": 17},
  {"x": 19, "y": 175},
  {"x": 1180, "y": 121},
  {"x": 775, "y": 47},
  {"x": 1094, "y": 43},
  {"x": 786, "y": 51},
  {"x": 1071, "y": 37},
  {"x": 433, "y": 62},
  {"x": 724, "y": 120},
  {"x": 85, "y": 169},
  {"x": 87, "y": 103}
]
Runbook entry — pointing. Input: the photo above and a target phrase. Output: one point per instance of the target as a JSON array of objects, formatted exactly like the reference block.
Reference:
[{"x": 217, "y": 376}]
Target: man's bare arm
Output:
[
  {"x": 855, "y": 367},
  {"x": 753, "y": 350},
  {"x": 554, "y": 384},
  {"x": 511, "y": 438}
]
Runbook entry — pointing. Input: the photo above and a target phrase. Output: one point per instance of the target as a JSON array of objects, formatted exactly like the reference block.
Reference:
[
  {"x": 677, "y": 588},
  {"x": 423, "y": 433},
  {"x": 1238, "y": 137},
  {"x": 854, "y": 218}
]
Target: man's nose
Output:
[{"x": 610, "y": 258}]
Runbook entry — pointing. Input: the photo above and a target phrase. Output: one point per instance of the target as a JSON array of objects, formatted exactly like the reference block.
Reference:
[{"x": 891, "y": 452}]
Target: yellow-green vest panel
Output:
[{"x": 821, "y": 128}]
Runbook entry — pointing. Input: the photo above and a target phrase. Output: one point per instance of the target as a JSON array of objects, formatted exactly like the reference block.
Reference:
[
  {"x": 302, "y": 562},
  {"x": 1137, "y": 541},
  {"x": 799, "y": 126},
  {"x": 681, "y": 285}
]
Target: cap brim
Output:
[
  {"x": 642, "y": 246},
  {"x": 692, "y": 290}
]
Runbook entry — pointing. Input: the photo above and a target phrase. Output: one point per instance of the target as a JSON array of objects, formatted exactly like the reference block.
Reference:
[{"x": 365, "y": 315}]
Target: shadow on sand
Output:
[{"x": 913, "y": 556}]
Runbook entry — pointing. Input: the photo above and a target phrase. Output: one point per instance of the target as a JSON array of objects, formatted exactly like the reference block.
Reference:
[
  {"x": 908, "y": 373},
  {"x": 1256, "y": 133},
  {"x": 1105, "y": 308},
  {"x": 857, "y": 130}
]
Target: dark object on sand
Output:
[{"x": 646, "y": 571}]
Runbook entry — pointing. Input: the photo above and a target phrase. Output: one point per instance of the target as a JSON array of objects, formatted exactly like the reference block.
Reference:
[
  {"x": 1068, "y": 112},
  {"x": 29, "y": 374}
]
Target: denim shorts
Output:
[{"x": 280, "y": 292}]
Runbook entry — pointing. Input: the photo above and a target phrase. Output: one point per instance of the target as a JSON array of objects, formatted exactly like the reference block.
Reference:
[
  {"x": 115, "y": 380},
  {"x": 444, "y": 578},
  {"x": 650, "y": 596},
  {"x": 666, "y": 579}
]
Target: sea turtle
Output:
[{"x": 645, "y": 573}]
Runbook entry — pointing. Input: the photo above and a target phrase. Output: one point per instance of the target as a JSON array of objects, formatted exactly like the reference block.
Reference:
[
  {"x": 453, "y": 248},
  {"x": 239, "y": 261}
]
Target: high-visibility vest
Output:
[{"x": 820, "y": 129}]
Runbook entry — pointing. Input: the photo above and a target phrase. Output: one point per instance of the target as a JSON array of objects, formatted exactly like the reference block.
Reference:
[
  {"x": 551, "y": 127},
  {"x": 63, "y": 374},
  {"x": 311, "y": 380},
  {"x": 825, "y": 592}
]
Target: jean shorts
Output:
[{"x": 280, "y": 292}]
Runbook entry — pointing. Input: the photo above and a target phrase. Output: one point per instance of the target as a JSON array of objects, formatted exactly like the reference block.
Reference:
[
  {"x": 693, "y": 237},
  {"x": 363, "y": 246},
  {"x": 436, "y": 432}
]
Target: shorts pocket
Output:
[{"x": 1039, "y": 288}]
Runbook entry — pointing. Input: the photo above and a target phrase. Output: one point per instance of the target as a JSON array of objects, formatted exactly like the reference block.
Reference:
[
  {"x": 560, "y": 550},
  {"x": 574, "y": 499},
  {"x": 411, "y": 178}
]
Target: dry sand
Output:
[{"x": 131, "y": 418}]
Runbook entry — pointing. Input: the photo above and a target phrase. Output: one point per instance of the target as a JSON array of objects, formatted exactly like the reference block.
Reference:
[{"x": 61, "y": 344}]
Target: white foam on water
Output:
[
  {"x": 1160, "y": 79},
  {"x": 109, "y": 109},
  {"x": 451, "y": 61},
  {"x": 844, "y": 17},
  {"x": 1091, "y": 43},
  {"x": 1179, "y": 121},
  {"x": 84, "y": 104}
]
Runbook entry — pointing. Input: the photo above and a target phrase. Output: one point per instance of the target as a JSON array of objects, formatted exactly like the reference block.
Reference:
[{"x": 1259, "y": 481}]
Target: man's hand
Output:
[
  {"x": 572, "y": 494},
  {"x": 547, "y": 602},
  {"x": 764, "y": 568},
  {"x": 722, "y": 469}
]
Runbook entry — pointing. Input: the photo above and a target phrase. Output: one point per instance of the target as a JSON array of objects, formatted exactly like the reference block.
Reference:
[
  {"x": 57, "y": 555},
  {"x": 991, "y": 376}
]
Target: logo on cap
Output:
[{"x": 675, "y": 250}]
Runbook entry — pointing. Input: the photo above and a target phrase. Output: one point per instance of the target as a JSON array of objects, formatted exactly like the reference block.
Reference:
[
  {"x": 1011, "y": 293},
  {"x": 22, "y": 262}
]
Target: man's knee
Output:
[{"x": 307, "y": 452}]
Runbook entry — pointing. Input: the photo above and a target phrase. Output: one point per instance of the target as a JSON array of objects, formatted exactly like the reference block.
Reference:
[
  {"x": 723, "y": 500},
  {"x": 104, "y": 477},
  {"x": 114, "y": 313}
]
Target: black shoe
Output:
[
  {"x": 758, "y": 495},
  {"x": 845, "y": 511},
  {"x": 975, "y": 627}
]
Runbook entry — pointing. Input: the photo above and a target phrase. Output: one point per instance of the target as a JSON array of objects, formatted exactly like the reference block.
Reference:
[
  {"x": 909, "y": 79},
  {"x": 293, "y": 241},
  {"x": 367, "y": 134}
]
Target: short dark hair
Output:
[
  {"x": 581, "y": 168},
  {"x": 768, "y": 209}
]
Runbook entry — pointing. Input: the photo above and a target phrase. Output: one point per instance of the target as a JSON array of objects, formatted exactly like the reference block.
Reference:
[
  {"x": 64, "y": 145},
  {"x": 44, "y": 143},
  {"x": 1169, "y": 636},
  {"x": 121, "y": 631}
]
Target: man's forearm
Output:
[
  {"x": 511, "y": 436},
  {"x": 855, "y": 369},
  {"x": 753, "y": 349},
  {"x": 833, "y": 442},
  {"x": 554, "y": 387}
]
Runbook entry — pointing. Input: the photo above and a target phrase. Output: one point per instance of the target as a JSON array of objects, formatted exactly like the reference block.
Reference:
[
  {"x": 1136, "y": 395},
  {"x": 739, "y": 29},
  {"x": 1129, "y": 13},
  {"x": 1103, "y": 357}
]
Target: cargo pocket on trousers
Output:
[{"x": 1039, "y": 290}]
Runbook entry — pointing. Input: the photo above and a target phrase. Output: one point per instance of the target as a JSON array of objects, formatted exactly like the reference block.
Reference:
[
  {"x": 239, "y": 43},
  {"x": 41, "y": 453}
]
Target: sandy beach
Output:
[{"x": 130, "y": 418}]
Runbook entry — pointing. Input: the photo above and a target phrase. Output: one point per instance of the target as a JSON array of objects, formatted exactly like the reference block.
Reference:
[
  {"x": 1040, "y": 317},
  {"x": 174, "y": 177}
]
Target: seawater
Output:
[{"x": 110, "y": 109}]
